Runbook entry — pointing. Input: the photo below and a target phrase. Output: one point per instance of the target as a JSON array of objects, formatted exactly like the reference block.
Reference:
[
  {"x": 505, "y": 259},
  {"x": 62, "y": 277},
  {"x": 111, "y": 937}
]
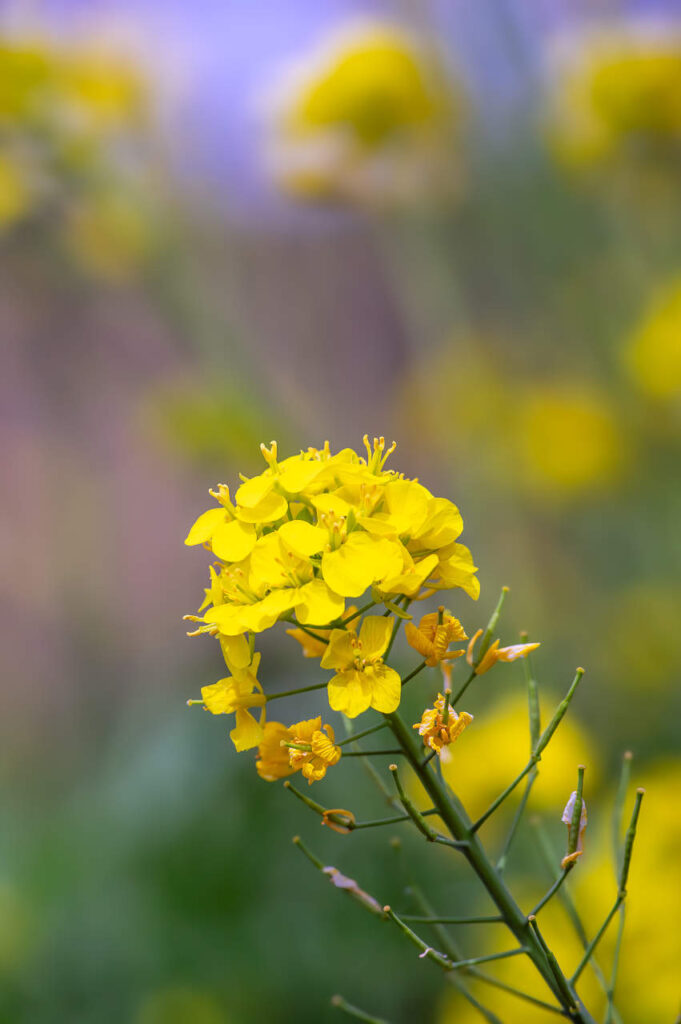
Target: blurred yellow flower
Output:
[
  {"x": 108, "y": 235},
  {"x": 364, "y": 116},
  {"x": 652, "y": 355},
  {"x": 566, "y": 440},
  {"x": 656, "y": 665},
  {"x": 618, "y": 95}
]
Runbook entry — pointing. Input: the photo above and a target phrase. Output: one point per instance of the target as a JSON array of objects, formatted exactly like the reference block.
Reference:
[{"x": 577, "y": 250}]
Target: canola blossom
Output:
[{"x": 296, "y": 543}]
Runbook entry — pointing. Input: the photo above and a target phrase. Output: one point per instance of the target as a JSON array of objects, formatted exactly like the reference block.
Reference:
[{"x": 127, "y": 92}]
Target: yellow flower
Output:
[
  {"x": 312, "y": 749},
  {"x": 273, "y": 761},
  {"x": 362, "y": 680},
  {"x": 494, "y": 653},
  {"x": 236, "y": 694},
  {"x": 567, "y": 440},
  {"x": 306, "y": 746},
  {"x": 433, "y": 635},
  {"x": 435, "y": 731},
  {"x": 653, "y": 353},
  {"x": 362, "y": 117},
  {"x": 617, "y": 95}
]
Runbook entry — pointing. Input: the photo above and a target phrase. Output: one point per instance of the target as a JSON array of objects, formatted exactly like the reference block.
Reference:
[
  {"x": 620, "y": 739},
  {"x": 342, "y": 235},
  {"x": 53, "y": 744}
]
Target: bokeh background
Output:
[{"x": 454, "y": 224}]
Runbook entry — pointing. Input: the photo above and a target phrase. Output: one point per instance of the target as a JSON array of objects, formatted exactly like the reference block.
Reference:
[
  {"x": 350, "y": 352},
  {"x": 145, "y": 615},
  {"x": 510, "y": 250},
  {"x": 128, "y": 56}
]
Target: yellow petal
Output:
[
  {"x": 374, "y": 635},
  {"x": 407, "y": 504},
  {"x": 318, "y": 604},
  {"x": 233, "y": 541},
  {"x": 263, "y": 614},
  {"x": 298, "y": 473},
  {"x": 247, "y": 733},
  {"x": 230, "y": 619},
  {"x": 235, "y": 651},
  {"x": 219, "y": 697},
  {"x": 331, "y": 505},
  {"x": 341, "y": 650},
  {"x": 350, "y": 693},
  {"x": 456, "y": 569},
  {"x": 272, "y": 507},
  {"x": 385, "y": 686},
  {"x": 205, "y": 526},
  {"x": 347, "y": 570},
  {"x": 303, "y": 538},
  {"x": 252, "y": 491},
  {"x": 442, "y": 526}
]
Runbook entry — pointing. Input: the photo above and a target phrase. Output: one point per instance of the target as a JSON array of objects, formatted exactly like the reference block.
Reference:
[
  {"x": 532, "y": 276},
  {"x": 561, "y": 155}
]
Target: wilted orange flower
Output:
[
  {"x": 438, "y": 732},
  {"x": 433, "y": 635},
  {"x": 496, "y": 653},
  {"x": 305, "y": 746}
]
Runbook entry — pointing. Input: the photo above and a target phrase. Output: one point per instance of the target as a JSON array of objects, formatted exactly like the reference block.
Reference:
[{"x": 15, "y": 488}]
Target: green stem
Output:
[
  {"x": 549, "y": 858},
  {"x": 361, "y": 735},
  {"x": 520, "y": 810},
  {"x": 427, "y": 952},
  {"x": 492, "y": 625},
  {"x": 596, "y": 939},
  {"x": 490, "y": 980},
  {"x": 424, "y": 919},
  {"x": 293, "y": 693},
  {"x": 553, "y": 890},
  {"x": 610, "y": 1011},
  {"x": 563, "y": 984},
  {"x": 415, "y": 672},
  {"x": 459, "y": 825},
  {"x": 618, "y": 810},
  {"x": 360, "y": 611},
  {"x": 370, "y": 753},
  {"x": 354, "y": 1011},
  {"x": 457, "y": 696}
]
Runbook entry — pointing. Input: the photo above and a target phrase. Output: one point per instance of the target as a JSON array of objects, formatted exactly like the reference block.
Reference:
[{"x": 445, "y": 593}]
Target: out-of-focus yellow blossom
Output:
[
  {"x": 306, "y": 746},
  {"x": 312, "y": 530},
  {"x": 433, "y": 635},
  {"x": 107, "y": 234},
  {"x": 435, "y": 732},
  {"x": 567, "y": 440},
  {"x": 237, "y": 694},
  {"x": 655, "y": 607},
  {"x": 364, "y": 117},
  {"x": 362, "y": 679},
  {"x": 314, "y": 646},
  {"x": 494, "y": 653},
  {"x": 618, "y": 96},
  {"x": 177, "y": 1004},
  {"x": 652, "y": 355}
]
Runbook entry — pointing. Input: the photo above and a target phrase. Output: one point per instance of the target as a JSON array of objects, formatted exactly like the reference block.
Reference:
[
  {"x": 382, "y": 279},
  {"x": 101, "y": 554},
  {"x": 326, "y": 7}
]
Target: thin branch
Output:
[{"x": 353, "y": 1011}]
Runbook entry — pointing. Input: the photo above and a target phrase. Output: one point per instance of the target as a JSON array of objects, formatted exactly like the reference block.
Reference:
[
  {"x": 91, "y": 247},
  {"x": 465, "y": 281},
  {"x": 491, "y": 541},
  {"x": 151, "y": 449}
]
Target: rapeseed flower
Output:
[
  {"x": 306, "y": 746},
  {"x": 617, "y": 96},
  {"x": 433, "y": 635},
  {"x": 652, "y": 355},
  {"x": 306, "y": 534},
  {"x": 238, "y": 694},
  {"x": 364, "y": 117},
  {"x": 441, "y": 725},
  {"x": 362, "y": 679}
]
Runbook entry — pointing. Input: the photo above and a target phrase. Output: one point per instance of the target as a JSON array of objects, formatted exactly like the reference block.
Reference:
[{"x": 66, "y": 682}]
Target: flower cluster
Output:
[{"x": 294, "y": 544}]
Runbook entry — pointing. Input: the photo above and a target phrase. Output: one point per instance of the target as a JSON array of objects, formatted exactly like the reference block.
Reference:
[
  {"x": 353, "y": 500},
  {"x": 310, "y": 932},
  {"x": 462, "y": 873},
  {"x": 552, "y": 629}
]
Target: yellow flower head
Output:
[
  {"x": 362, "y": 680},
  {"x": 494, "y": 653},
  {"x": 306, "y": 746},
  {"x": 361, "y": 116},
  {"x": 438, "y": 731},
  {"x": 618, "y": 95},
  {"x": 433, "y": 635},
  {"x": 309, "y": 532},
  {"x": 652, "y": 355}
]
